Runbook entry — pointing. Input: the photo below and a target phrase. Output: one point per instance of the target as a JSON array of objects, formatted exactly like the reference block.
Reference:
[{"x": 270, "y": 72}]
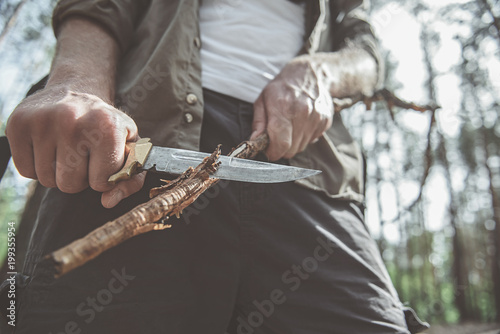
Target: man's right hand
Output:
[
  {"x": 68, "y": 135},
  {"x": 71, "y": 141}
]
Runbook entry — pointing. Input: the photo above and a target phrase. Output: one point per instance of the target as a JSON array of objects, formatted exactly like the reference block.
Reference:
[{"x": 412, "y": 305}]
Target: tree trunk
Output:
[
  {"x": 495, "y": 201},
  {"x": 458, "y": 269}
]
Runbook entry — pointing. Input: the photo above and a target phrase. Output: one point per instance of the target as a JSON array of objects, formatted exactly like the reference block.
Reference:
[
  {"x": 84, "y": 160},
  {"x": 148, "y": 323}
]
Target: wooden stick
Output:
[{"x": 176, "y": 195}]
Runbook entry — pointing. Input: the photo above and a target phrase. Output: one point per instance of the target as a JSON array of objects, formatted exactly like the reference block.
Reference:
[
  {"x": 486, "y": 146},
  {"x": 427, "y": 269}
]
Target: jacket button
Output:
[
  {"x": 197, "y": 42},
  {"x": 191, "y": 99},
  {"x": 188, "y": 117}
]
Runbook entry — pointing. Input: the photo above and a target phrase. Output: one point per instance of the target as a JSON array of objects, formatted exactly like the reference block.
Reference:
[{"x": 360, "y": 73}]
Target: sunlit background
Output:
[{"x": 431, "y": 191}]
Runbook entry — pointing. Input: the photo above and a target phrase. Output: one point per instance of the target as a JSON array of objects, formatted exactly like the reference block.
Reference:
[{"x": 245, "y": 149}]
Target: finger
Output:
[
  {"x": 72, "y": 168},
  {"x": 324, "y": 124},
  {"x": 45, "y": 162},
  {"x": 259, "y": 118},
  {"x": 303, "y": 125},
  {"x": 315, "y": 130},
  {"x": 306, "y": 140},
  {"x": 122, "y": 190},
  {"x": 108, "y": 149},
  {"x": 296, "y": 144},
  {"x": 323, "y": 110},
  {"x": 23, "y": 156},
  {"x": 280, "y": 131},
  {"x": 319, "y": 131}
]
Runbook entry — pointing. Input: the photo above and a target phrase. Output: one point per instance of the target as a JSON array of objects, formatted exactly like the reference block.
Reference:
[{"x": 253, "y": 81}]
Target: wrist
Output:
[
  {"x": 346, "y": 73},
  {"x": 65, "y": 78},
  {"x": 85, "y": 60}
]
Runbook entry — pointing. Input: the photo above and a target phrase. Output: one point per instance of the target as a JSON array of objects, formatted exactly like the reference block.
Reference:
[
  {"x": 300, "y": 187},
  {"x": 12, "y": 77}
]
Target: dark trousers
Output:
[{"x": 244, "y": 258}]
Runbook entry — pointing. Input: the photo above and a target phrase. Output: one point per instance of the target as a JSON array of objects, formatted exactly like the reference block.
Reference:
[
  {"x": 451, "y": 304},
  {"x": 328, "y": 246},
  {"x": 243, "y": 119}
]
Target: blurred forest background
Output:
[{"x": 433, "y": 178}]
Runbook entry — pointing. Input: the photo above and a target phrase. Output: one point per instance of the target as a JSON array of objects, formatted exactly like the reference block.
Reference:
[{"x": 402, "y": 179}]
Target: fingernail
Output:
[{"x": 116, "y": 197}]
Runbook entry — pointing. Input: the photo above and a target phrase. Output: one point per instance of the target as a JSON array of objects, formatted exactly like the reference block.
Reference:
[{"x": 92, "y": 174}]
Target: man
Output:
[{"x": 286, "y": 258}]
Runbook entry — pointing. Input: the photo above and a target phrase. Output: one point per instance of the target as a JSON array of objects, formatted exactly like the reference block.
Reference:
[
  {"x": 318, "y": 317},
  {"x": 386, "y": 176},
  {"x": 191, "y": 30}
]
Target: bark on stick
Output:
[{"x": 168, "y": 200}]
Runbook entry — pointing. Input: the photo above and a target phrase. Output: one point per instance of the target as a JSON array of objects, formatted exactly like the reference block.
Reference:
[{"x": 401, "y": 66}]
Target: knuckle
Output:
[
  {"x": 272, "y": 156},
  {"x": 102, "y": 117},
  {"x": 47, "y": 182},
  {"x": 317, "y": 117},
  {"x": 46, "y": 176},
  {"x": 278, "y": 149},
  {"x": 285, "y": 145},
  {"x": 137, "y": 182},
  {"x": 141, "y": 179},
  {"x": 69, "y": 180},
  {"x": 67, "y": 119},
  {"x": 71, "y": 187},
  {"x": 110, "y": 126},
  {"x": 24, "y": 165},
  {"x": 306, "y": 104},
  {"x": 17, "y": 125},
  {"x": 67, "y": 110},
  {"x": 100, "y": 185},
  {"x": 41, "y": 127},
  {"x": 131, "y": 186},
  {"x": 14, "y": 121},
  {"x": 27, "y": 171}
]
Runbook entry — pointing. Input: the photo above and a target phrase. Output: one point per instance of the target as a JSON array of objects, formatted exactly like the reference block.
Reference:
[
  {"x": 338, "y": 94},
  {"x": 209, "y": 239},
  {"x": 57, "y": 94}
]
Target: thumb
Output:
[
  {"x": 122, "y": 190},
  {"x": 259, "y": 123},
  {"x": 132, "y": 131}
]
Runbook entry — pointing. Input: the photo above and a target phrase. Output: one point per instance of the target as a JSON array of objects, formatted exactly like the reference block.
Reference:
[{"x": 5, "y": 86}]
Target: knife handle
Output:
[{"x": 138, "y": 152}]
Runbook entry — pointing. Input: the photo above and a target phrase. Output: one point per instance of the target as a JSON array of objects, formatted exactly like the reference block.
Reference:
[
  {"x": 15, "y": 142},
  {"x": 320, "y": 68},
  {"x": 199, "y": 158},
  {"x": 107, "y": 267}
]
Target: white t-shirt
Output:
[{"x": 246, "y": 43}]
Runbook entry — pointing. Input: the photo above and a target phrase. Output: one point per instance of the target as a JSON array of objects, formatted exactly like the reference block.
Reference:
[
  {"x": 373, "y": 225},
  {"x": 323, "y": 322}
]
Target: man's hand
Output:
[
  {"x": 69, "y": 135},
  {"x": 72, "y": 141},
  {"x": 295, "y": 109}
]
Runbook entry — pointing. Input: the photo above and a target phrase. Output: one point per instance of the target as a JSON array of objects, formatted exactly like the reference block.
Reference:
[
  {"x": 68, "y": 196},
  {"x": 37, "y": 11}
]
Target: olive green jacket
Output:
[{"x": 159, "y": 76}]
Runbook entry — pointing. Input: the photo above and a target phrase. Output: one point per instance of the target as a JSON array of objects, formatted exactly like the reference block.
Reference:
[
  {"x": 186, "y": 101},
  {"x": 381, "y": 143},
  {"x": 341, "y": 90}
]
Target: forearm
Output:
[
  {"x": 349, "y": 72},
  {"x": 69, "y": 135},
  {"x": 85, "y": 60}
]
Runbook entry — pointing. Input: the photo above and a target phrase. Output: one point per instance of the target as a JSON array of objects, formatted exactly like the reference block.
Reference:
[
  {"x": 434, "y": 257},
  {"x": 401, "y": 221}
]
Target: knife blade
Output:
[{"x": 144, "y": 156}]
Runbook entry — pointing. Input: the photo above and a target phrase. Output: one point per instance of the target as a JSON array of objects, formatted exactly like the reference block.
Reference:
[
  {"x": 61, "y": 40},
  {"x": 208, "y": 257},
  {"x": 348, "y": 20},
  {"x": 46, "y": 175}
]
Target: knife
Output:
[{"x": 143, "y": 156}]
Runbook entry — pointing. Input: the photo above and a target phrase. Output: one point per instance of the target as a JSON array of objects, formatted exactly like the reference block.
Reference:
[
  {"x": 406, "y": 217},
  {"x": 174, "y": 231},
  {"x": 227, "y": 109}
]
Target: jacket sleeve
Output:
[
  {"x": 351, "y": 28},
  {"x": 119, "y": 17}
]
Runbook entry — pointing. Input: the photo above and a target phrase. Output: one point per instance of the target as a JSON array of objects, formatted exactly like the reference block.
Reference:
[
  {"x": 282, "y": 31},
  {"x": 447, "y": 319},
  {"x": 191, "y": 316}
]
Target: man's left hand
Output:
[{"x": 295, "y": 109}]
